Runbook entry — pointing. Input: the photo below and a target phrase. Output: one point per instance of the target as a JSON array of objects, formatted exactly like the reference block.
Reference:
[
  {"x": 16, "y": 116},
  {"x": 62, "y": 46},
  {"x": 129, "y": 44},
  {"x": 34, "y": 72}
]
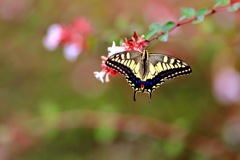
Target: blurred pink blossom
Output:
[
  {"x": 12, "y": 11},
  {"x": 71, "y": 51},
  {"x": 72, "y": 37},
  {"x": 136, "y": 43},
  {"x": 226, "y": 85},
  {"x": 53, "y": 37},
  {"x": 160, "y": 12}
]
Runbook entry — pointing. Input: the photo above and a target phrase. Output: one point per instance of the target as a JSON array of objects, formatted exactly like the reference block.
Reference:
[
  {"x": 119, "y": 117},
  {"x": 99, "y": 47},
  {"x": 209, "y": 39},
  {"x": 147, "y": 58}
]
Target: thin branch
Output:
[{"x": 178, "y": 24}]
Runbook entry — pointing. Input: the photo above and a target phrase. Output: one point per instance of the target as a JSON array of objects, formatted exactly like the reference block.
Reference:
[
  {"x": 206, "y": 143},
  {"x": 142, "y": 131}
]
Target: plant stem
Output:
[{"x": 178, "y": 24}]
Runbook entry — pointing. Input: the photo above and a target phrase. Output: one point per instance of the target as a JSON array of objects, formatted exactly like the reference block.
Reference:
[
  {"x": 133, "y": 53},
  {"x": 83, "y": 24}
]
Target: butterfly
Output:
[{"x": 146, "y": 71}]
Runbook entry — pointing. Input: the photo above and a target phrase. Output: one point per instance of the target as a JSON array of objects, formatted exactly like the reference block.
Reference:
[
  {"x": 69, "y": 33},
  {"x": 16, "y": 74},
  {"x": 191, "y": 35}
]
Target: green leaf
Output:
[
  {"x": 187, "y": 13},
  {"x": 221, "y": 3},
  {"x": 149, "y": 34},
  {"x": 234, "y": 7},
  {"x": 168, "y": 26},
  {"x": 121, "y": 41},
  {"x": 153, "y": 29},
  {"x": 164, "y": 38},
  {"x": 200, "y": 15},
  {"x": 199, "y": 20},
  {"x": 202, "y": 12},
  {"x": 155, "y": 26},
  {"x": 182, "y": 18}
]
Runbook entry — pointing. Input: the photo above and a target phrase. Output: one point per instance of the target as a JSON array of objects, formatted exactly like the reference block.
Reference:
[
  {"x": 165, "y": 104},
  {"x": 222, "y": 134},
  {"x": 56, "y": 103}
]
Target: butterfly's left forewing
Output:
[{"x": 126, "y": 63}]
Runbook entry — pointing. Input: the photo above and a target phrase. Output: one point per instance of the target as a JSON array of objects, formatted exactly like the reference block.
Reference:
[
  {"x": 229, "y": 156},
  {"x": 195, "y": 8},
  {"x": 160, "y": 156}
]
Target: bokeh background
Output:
[{"x": 51, "y": 108}]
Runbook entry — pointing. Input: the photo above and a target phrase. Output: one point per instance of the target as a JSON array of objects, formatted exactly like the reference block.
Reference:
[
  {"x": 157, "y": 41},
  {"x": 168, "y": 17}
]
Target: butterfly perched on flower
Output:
[{"x": 146, "y": 71}]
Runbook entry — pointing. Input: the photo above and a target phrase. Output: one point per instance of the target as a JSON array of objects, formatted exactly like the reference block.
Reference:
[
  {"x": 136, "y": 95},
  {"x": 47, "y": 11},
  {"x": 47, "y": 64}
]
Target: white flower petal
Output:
[
  {"x": 71, "y": 51},
  {"x": 107, "y": 77},
  {"x": 115, "y": 49},
  {"x": 53, "y": 37},
  {"x": 100, "y": 75}
]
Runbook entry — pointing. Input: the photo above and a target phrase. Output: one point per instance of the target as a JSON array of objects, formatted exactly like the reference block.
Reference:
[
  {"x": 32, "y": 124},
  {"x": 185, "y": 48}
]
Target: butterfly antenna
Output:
[{"x": 134, "y": 96}]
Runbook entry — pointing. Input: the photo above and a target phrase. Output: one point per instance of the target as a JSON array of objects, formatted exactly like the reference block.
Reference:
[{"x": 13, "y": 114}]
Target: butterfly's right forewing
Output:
[{"x": 168, "y": 67}]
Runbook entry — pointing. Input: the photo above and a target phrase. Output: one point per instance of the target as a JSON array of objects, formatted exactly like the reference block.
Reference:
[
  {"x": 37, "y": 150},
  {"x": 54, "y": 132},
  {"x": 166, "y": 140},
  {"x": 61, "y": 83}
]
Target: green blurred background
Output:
[{"x": 54, "y": 109}]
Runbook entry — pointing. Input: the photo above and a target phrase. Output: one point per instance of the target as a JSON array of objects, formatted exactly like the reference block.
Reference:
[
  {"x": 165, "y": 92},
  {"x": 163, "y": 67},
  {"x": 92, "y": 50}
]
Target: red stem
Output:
[{"x": 213, "y": 11}]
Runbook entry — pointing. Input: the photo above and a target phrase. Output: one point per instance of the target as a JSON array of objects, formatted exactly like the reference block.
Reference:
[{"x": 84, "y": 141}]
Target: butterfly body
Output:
[{"x": 146, "y": 71}]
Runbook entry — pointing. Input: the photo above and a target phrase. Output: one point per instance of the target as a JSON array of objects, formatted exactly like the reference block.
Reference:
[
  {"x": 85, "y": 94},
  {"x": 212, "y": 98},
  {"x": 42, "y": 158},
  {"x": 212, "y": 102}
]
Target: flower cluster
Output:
[
  {"x": 72, "y": 37},
  {"x": 136, "y": 43}
]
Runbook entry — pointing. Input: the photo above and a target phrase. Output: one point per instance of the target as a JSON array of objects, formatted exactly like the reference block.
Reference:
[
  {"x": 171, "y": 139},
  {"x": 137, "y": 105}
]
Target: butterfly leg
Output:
[
  {"x": 150, "y": 96},
  {"x": 134, "y": 95}
]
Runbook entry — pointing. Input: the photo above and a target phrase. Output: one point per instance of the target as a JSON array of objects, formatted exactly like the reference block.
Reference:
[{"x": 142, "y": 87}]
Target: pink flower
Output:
[
  {"x": 82, "y": 26},
  {"x": 159, "y": 12},
  {"x": 106, "y": 71},
  {"x": 71, "y": 51},
  {"x": 53, "y": 37},
  {"x": 134, "y": 44},
  {"x": 72, "y": 37},
  {"x": 227, "y": 85}
]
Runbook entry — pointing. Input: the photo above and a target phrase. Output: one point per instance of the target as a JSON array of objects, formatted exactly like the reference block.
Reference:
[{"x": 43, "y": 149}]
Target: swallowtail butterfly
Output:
[{"x": 146, "y": 71}]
